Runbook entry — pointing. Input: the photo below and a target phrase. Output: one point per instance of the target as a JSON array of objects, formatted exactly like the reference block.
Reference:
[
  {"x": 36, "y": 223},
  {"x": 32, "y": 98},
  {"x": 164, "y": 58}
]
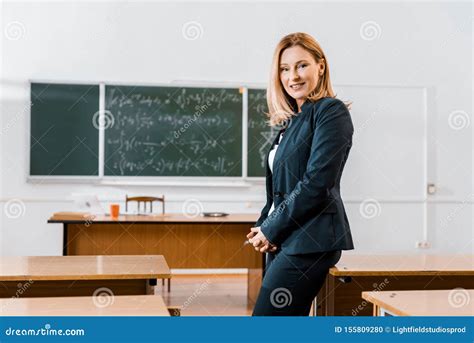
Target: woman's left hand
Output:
[{"x": 259, "y": 241}]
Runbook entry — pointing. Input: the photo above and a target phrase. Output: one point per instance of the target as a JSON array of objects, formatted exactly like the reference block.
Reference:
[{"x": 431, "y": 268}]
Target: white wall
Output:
[
  {"x": 421, "y": 44},
  {"x": 1, "y": 135}
]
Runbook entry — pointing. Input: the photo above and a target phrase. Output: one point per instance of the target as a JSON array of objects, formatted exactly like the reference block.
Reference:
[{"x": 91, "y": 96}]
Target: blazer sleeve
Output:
[
  {"x": 268, "y": 205},
  {"x": 264, "y": 213},
  {"x": 331, "y": 139}
]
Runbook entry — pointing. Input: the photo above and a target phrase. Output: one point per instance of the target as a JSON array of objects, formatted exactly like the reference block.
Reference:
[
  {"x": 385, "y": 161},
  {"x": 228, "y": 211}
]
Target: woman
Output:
[{"x": 303, "y": 226}]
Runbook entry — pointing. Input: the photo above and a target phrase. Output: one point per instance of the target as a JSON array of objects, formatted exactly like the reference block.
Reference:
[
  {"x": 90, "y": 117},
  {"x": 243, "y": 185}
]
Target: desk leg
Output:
[
  {"x": 65, "y": 240},
  {"x": 329, "y": 301},
  {"x": 312, "y": 311},
  {"x": 376, "y": 311},
  {"x": 254, "y": 281},
  {"x": 150, "y": 286}
]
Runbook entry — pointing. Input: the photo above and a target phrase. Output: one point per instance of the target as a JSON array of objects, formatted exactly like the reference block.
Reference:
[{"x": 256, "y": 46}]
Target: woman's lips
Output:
[{"x": 297, "y": 86}]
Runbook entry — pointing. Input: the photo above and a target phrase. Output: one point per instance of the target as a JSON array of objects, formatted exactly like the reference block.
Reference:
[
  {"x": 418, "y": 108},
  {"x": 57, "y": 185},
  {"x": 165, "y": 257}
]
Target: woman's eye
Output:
[
  {"x": 302, "y": 66},
  {"x": 284, "y": 69}
]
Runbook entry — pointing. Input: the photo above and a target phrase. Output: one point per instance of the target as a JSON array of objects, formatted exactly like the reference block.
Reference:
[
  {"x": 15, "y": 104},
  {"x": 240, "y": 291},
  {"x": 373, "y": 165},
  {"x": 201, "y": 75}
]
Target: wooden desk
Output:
[
  {"x": 456, "y": 302},
  {"x": 186, "y": 242},
  {"x": 354, "y": 274},
  {"x": 47, "y": 276},
  {"x": 124, "y": 305}
]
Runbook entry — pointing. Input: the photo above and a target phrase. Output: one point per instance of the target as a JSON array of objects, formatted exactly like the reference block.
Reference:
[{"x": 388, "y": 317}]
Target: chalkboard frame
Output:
[
  {"x": 253, "y": 179},
  {"x": 101, "y": 179},
  {"x": 39, "y": 179}
]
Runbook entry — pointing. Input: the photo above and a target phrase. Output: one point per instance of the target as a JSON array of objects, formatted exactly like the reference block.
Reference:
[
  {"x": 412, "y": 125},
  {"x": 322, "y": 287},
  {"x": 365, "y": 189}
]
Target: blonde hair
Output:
[{"x": 281, "y": 106}]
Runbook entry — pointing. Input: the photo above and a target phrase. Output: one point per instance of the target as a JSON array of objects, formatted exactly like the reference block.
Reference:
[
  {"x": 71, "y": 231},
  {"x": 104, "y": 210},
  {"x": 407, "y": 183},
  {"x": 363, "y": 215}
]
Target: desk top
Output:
[
  {"x": 455, "y": 302},
  {"x": 392, "y": 265},
  {"x": 123, "y": 305},
  {"x": 83, "y": 267},
  {"x": 159, "y": 218}
]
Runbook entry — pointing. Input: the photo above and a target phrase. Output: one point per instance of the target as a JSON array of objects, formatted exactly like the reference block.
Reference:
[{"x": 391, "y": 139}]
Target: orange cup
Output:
[{"x": 114, "y": 210}]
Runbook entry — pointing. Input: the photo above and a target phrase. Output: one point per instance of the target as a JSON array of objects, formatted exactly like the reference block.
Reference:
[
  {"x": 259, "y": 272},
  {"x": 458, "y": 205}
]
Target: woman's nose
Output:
[{"x": 294, "y": 75}]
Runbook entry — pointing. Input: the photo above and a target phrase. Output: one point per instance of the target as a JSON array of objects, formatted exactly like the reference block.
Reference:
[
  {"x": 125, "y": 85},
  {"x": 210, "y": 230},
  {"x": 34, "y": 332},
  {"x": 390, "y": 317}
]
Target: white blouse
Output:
[{"x": 271, "y": 157}]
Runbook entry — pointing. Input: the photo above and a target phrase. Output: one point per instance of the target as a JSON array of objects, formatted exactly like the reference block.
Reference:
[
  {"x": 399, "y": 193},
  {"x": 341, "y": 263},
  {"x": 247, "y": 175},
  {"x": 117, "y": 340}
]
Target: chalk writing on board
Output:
[
  {"x": 261, "y": 135},
  {"x": 174, "y": 131}
]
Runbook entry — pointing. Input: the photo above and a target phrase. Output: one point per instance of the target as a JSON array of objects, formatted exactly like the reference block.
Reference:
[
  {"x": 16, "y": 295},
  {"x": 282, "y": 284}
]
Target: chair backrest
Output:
[
  {"x": 174, "y": 311},
  {"x": 145, "y": 200}
]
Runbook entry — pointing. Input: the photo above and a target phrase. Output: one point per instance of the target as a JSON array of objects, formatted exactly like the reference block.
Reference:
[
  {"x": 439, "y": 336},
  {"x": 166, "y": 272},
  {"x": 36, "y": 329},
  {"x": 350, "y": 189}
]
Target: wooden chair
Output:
[
  {"x": 145, "y": 200},
  {"x": 148, "y": 200},
  {"x": 175, "y": 311}
]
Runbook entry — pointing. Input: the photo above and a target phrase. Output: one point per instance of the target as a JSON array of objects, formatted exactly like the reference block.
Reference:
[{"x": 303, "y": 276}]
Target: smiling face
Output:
[{"x": 299, "y": 73}]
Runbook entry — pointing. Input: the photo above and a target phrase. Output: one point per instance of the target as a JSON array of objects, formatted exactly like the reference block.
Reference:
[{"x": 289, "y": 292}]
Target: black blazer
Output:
[{"x": 309, "y": 215}]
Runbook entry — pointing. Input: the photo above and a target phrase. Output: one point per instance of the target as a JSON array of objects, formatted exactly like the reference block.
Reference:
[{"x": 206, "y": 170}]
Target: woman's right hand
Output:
[
  {"x": 264, "y": 246},
  {"x": 268, "y": 248}
]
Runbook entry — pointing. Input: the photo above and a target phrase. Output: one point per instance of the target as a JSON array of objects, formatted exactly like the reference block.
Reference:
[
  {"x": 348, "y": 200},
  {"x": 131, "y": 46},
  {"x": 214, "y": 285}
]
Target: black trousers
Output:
[{"x": 292, "y": 282}]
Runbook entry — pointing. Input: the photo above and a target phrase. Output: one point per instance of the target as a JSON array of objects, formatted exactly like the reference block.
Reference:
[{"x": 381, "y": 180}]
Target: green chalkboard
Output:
[
  {"x": 173, "y": 131},
  {"x": 63, "y": 138},
  {"x": 260, "y": 134}
]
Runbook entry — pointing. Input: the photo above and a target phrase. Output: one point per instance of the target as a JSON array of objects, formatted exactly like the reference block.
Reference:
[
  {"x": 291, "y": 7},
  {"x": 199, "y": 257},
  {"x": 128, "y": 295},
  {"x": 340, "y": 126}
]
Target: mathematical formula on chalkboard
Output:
[
  {"x": 155, "y": 130},
  {"x": 174, "y": 131}
]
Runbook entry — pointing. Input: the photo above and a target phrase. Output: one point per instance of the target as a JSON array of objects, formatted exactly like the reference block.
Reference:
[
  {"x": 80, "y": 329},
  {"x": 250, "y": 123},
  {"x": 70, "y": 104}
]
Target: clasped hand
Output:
[{"x": 259, "y": 241}]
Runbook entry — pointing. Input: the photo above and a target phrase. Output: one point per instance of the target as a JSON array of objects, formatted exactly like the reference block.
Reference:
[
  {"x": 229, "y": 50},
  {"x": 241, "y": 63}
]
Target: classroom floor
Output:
[{"x": 208, "y": 295}]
